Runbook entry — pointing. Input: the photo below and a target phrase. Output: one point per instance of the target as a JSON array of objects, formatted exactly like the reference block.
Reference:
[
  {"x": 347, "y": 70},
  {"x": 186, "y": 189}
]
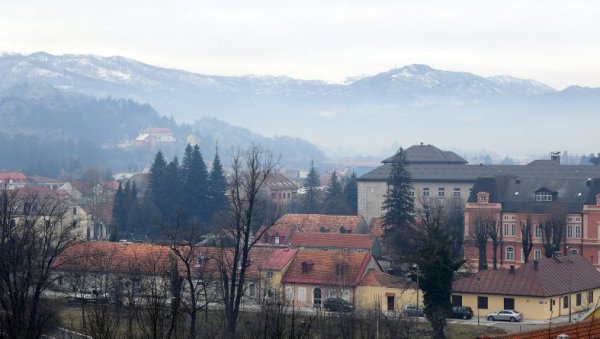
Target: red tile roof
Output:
[
  {"x": 14, "y": 176},
  {"x": 279, "y": 258},
  {"x": 554, "y": 276},
  {"x": 314, "y": 222},
  {"x": 376, "y": 227},
  {"x": 331, "y": 240},
  {"x": 328, "y": 268},
  {"x": 41, "y": 192},
  {"x": 382, "y": 279}
]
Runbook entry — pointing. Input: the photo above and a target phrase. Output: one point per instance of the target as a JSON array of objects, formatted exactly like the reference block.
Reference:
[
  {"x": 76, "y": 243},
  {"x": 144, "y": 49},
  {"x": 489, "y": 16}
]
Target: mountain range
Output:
[{"x": 403, "y": 106}]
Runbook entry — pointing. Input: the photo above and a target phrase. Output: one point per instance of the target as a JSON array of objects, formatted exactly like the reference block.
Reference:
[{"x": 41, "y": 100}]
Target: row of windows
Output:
[
  {"x": 509, "y": 303},
  {"x": 510, "y": 230},
  {"x": 509, "y": 254},
  {"x": 441, "y": 192}
]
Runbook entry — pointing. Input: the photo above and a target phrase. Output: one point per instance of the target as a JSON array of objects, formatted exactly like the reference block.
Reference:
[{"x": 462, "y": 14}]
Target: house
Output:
[
  {"x": 528, "y": 207},
  {"x": 540, "y": 289},
  {"x": 283, "y": 228},
  {"x": 51, "y": 183},
  {"x": 12, "y": 180},
  {"x": 314, "y": 276},
  {"x": 152, "y": 137},
  {"x": 280, "y": 189},
  {"x": 445, "y": 175},
  {"x": 386, "y": 292}
]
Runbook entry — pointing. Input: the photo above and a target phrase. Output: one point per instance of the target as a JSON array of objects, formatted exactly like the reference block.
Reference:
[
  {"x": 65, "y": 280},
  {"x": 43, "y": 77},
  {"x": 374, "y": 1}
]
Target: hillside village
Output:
[{"x": 528, "y": 235}]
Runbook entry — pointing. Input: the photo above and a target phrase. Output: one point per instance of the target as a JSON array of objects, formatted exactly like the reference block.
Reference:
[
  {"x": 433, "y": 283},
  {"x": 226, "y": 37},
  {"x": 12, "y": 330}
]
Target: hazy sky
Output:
[{"x": 555, "y": 42}]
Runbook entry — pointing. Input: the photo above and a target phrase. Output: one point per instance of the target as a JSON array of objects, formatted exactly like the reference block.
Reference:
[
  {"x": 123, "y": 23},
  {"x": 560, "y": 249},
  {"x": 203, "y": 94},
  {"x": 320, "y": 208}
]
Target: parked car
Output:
[
  {"x": 506, "y": 315},
  {"x": 461, "y": 312},
  {"x": 337, "y": 305},
  {"x": 413, "y": 311}
]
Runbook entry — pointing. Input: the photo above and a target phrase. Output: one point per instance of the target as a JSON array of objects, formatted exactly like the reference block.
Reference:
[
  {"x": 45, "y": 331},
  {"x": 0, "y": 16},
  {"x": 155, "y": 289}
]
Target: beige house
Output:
[
  {"x": 383, "y": 291},
  {"x": 540, "y": 289}
]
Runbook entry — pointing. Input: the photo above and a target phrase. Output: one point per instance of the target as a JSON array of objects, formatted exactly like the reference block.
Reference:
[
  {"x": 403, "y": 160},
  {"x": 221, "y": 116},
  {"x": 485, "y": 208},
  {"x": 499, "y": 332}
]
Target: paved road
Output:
[{"x": 524, "y": 326}]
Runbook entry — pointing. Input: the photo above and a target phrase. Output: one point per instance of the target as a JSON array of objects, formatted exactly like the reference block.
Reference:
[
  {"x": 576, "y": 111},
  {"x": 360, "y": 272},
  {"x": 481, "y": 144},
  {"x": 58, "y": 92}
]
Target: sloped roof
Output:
[
  {"x": 381, "y": 279},
  {"x": 313, "y": 223},
  {"x": 428, "y": 154},
  {"x": 554, "y": 276},
  {"x": 376, "y": 227},
  {"x": 337, "y": 240},
  {"x": 323, "y": 268},
  {"x": 278, "y": 181},
  {"x": 44, "y": 180},
  {"x": 14, "y": 176},
  {"x": 279, "y": 258},
  {"x": 518, "y": 194}
]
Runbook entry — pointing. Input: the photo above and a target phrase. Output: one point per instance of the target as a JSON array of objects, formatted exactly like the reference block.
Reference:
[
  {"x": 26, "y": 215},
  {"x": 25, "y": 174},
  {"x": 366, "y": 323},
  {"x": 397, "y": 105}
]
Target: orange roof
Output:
[
  {"x": 314, "y": 223},
  {"x": 382, "y": 279},
  {"x": 376, "y": 227},
  {"x": 327, "y": 268},
  {"x": 337, "y": 240},
  {"x": 41, "y": 192}
]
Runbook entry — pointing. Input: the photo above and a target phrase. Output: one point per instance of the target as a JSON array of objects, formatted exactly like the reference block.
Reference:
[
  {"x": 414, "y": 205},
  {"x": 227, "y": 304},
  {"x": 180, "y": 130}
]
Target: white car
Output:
[{"x": 506, "y": 315}]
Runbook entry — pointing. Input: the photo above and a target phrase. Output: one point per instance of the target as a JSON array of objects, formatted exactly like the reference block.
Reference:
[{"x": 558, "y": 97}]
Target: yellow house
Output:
[
  {"x": 380, "y": 290},
  {"x": 540, "y": 289}
]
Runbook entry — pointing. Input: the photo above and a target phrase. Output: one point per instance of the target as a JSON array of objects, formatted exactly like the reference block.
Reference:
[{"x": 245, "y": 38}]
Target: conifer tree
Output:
[
  {"x": 195, "y": 182},
  {"x": 311, "y": 185},
  {"x": 334, "y": 200},
  {"x": 351, "y": 194},
  {"x": 117, "y": 212},
  {"x": 217, "y": 186},
  {"x": 172, "y": 198},
  {"x": 157, "y": 180},
  {"x": 398, "y": 203}
]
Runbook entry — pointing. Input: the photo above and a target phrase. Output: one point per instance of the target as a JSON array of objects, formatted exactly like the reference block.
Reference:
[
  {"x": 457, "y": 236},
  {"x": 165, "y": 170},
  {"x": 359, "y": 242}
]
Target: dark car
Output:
[
  {"x": 337, "y": 305},
  {"x": 413, "y": 311},
  {"x": 461, "y": 312}
]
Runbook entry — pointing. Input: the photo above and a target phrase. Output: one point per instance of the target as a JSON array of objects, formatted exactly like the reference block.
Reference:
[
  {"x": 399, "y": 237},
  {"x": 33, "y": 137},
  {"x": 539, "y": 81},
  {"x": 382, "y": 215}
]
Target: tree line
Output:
[
  {"x": 177, "y": 193},
  {"x": 340, "y": 197}
]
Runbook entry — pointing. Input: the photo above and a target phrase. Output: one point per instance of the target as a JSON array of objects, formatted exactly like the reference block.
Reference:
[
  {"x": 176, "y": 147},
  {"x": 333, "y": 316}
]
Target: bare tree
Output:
[
  {"x": 526, "y": 238},
  {"x": 32, "y": 236},
  {"x": 479, "y": 235},
  {"x": 553, "y": 229},
  {"x": 250, "y": 169},
  {"x": 495, "y": 235}
]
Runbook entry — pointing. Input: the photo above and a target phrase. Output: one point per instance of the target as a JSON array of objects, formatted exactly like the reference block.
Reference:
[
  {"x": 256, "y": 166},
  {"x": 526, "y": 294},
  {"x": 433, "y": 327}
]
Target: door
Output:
[
  {"x": 509, "y": 303},
  {"x": 390, "y": 303}
]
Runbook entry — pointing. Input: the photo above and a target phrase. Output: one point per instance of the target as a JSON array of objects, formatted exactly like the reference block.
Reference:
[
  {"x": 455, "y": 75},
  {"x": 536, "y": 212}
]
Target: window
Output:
[
  {"x": 425, "y": 191},
  {"x": 513, "y": 229},
  {"x": 301, "y": 293},
  {"x": 522, "y": 255},
  {"x": 578, "y": 299},
  {"x": 269, "y": 275},
  {"x": 482, "y": 302},
  {"x": 441, "y": 192},
  {"x": 543, "y": 196},
  {"x": 251, "y": 290},
  {"x": 566, "y": 301},
  {"x": 277, "y": 240},
  {"x": 505, "y": 230},
  {"x": 510, "y": 253},
  {"x": 538, "y": 231},
  {"x": 483, "y": 197},
  {"x": 411, "y": 193},
  {"x": 569, "y": 231},
  {"x": 456, "y": 300},
  {"x": 317, "y": 297},
  {"x": 456, "y": 192},
  {"x": 74, "y": 210},
  {"x": 590, "y": 297},
  {"x": 578, "y": 231},
  {"x": 509, "y": 303},
  {"x": 537, "y": 254}
]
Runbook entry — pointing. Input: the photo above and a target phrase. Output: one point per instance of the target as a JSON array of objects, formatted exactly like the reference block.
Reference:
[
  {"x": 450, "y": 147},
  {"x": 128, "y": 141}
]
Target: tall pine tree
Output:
[
  {"x": 217, "y": 186},
  {"x": 334, "y": 200},
  {"x": 195, "y": 183},
  {"x": 312, "y": 196},
  {"x": 398, "y": 203},
  {"x": 351, "y": 194}
]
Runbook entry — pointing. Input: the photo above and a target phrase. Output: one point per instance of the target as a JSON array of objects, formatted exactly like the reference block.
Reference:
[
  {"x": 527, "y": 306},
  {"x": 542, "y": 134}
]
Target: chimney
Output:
[
  {"x": 512, "y": 268},
  {"x": 555, "y": 156},
  {"x": 536, "y": 264}
]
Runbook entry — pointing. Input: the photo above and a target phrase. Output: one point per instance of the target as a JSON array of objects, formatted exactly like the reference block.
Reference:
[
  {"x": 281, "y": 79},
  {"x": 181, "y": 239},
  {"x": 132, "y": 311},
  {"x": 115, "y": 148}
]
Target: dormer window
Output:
[
  {"x": 276, "y": 239},
  {"x": 306, "y": 266},
  {"x": 341, "y": 268},
  {"x": 483, "y": 197},
  {"x": 543, "y": 196}
]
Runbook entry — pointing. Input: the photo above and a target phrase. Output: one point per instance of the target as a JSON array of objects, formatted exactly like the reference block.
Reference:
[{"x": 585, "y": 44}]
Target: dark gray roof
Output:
[
  {"x": 428, "y": 154},
  {"x": 469, "y": 173},
  {"x": 518, "y": 194}
]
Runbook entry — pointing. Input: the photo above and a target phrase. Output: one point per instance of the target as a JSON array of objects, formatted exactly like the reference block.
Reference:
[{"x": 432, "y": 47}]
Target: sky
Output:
[{"x": 555, "y": 42}]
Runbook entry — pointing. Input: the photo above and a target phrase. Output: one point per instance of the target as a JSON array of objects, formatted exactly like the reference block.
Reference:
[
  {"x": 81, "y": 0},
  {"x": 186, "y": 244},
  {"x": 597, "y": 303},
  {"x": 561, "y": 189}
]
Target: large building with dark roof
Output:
[
  {"x": 528, "y": 207},
  {"x": 445, "y": 175}
]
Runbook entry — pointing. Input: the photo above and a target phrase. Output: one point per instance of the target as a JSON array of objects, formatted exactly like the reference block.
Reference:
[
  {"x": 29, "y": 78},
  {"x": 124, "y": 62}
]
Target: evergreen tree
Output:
[
  {"x": 351, "y": 194},
  {"x": 172, "y": 191},
  {"x": 311, "y": 185},
  {"x": 217, "y": 186},
  {"x": 195, "y": 182},
  {"x": 157, "y": 180},
  {"x": 398, "y": 204},
  {"x": 334, "y": 200},
  {"x": 117, "y": 212}
]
